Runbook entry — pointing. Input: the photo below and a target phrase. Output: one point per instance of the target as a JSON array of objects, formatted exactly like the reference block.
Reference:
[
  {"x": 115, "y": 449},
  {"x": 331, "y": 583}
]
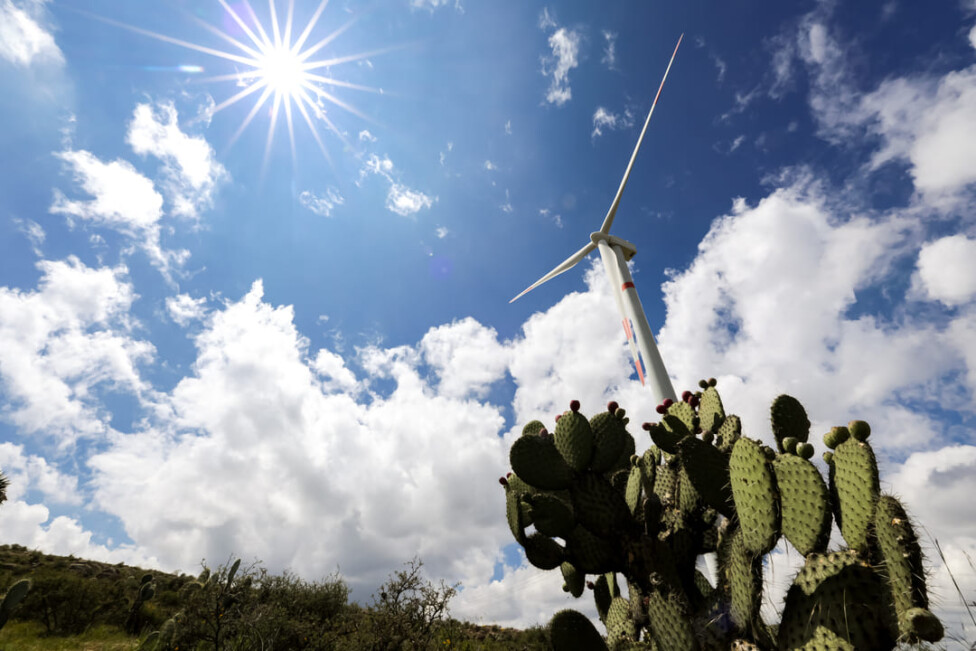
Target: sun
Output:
[
  {"x": 277, "y": 69},
  {"x": 282, "y": 70}
]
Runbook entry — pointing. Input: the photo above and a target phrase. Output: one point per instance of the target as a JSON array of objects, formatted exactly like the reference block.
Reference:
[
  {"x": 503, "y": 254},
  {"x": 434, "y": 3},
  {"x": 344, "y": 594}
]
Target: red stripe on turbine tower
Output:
[{"x": 627, "y": 286}]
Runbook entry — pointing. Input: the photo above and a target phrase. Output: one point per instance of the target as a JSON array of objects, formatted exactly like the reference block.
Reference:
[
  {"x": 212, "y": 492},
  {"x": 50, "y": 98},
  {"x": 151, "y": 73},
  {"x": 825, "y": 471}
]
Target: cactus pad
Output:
[
  {"x": 669, "y": 625},
  {"x": 728, "y": 433},
  {"x": 708, "y": 470},
  {"x": 903, "y": 565},
  {"x": 711, "y": 413},
  {"x": 805, "y": 504},
  {"x": 590, "y": 554},
  {"x": 571, "y": 630},
  {"x": 543, "y": 552},
  {"x": 789, "y": 419},
  {"x": 620, "y": 626},
  {"x": 836, "y": 602},
  {"x": 744, "y": 576},
  {"x": 610, "y": 438},
  {"x": 537, "y": 461},
  {"x": 598, "y": 506},
  {"x": 573, "y": 581},
  {"x": 754, "y": 493},
  {"x": 856, "y": 485},
  {"x": 533, "y": 428},
  {"x": 550, "y": 514},
  {"x": 574, "y": 440}
]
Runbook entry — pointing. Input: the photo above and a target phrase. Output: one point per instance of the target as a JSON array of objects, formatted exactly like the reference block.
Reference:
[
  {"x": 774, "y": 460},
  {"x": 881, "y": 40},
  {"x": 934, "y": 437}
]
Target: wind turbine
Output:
[{"x": 615, "y": 253}]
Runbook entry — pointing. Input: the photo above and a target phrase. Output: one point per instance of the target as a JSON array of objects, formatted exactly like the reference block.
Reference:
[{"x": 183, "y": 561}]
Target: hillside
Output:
[{"x": 231, "y": 606}]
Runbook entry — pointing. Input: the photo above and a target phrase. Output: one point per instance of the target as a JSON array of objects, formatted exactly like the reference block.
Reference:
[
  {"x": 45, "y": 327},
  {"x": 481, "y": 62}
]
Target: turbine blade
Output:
[
  {"x": 568, "y": 263},
  {"x": 608, "y": 220}
]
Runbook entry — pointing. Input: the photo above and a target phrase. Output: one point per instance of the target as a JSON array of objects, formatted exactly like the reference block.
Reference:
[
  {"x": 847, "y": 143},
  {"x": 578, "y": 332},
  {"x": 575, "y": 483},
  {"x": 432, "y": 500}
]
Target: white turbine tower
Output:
[{"x": 615, "y": 253}]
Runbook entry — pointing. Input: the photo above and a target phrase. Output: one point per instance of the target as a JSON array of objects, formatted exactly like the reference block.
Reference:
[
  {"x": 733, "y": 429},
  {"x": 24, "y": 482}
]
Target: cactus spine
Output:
[{"x": 704, "y": 487}]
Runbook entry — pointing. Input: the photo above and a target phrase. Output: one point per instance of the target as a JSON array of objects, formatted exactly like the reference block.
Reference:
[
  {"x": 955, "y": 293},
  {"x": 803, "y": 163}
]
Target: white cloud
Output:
[
  {"x": 508, "y": 128},
  {"x": 609, "y": 49},
  {"x": 263, "y": 427},
  {"x": 405, "y": 201},
  {"x": 34, "y": 233},
  {"x": 546, "y": 20},
  {"x": 720, "y": 67},
  {"x": 946, "y": 270},
  {"x": 431, "y": 5},
  {"x": 23, "y": 41},
  {"x": 565, "y": 56},
  {"x": 184, "y": 309},
  {"x": 123, "y": 198},
  {"x": 441, "y": 232},
  {"x": 190, "y": 169},
  {"x": 366, "y": 136},
  {"x": 737, "y": 143},
  {"x": 27, "y": 472},
  {"x": 780, "y": 277},
  {"x": 63, "y": 340},
  {"x": 972, "y": 37},
  {"x": 929, "y": 123},
  {"x": 377, "y": 165},
  {"x": 400, "y": 199},
  {"x": 466, "y": 356},
  {"x": 488, "y": 165},
  {"x": 604, "y": 119},
  {"x": 321, "y": 205}
]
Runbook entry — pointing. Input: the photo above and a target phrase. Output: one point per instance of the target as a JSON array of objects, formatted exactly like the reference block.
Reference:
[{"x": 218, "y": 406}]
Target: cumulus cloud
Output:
[
  {"x": 564, "y": 44},
  {"x": 122, "y": 197},
  {"x": 32, "y": 472},
  {"x": 366, "y": 136},
  {"x": 23, "y": 40},
  {"x": 280, "y": 438},
  {"x": 190, "y": 169},
  {"x": 928, "y": 123},
  {"x": 61, "y": 342},
  {"x": 946, "y": 270},
  {"x": 322, "y": 205},
  {"x": 466, "y": 356}
]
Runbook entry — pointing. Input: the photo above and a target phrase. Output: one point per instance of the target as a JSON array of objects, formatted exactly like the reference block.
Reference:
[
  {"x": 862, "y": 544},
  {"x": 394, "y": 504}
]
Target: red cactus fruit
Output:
[
  {"x": 667, "y": 402},
  {"x": 590, "y": 585},
  {"x": 647, "y": 427},
  {"x": 612, "y": 406},
  {"x": 558, "y": 416},
  {"x": 661, "y": 409},
  {"x": 712, "y": 381},
  {"x": 686, "y": 396},
  {"x": 574, "y": 405},
  {"x": 694, "y": 402},
  {"x": 503, "y": 481}
]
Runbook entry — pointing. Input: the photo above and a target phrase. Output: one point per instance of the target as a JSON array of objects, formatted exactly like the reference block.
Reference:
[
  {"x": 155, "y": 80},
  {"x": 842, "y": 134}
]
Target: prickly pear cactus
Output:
[{"x": 580, "y": 500}]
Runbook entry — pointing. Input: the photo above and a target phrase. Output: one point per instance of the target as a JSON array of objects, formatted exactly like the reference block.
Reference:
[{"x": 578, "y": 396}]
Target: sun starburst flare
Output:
[{"x": 276, "y": 69}]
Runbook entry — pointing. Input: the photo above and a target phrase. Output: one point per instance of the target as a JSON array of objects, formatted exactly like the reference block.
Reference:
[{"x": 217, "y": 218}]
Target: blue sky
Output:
[{"x": 215, "y": 342}]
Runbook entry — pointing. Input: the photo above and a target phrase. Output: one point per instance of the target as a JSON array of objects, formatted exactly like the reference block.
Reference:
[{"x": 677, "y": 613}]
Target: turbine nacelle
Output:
[{"x": 628, "y": 249}]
